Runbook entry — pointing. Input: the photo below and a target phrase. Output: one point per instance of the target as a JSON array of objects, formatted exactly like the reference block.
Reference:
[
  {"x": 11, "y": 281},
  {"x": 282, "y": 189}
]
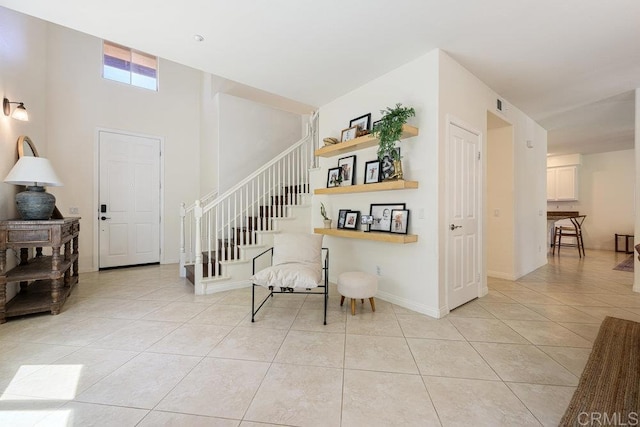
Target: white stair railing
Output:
[{"x": 211, "y": 231}]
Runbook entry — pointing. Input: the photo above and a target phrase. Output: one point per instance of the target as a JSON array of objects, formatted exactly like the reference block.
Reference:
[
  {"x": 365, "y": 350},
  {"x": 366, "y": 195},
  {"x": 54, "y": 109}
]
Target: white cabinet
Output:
[{"x": 562, "y": 183}]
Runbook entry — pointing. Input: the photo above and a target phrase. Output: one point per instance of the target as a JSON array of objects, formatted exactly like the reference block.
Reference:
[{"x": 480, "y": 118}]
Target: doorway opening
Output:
[{"x": 500, "y": 206}]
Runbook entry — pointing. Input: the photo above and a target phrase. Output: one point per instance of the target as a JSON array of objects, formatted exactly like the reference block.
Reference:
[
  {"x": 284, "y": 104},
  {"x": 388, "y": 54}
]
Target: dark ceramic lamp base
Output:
[{"x": 35, "y": 203}]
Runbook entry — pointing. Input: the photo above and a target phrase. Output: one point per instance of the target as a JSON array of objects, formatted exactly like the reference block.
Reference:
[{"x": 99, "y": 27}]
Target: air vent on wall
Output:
[{"x": 499, "y": 104}]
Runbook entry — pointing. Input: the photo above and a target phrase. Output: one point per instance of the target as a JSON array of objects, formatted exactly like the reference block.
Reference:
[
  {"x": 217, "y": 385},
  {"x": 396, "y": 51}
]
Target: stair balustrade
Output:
[{"x": 212, "y": 231}]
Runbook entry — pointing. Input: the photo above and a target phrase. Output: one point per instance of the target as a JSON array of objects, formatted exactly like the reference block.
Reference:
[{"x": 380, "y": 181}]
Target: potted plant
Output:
[
  {"x": 388, "y": 130},
  {"x": 327, "y": 220}
]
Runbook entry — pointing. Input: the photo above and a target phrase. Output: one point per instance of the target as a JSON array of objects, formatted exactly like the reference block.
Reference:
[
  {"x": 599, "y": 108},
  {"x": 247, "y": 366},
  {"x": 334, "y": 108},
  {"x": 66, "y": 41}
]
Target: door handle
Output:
[
  {"x": 104, "y": 218},
  {"x": 453, "y": 227}
]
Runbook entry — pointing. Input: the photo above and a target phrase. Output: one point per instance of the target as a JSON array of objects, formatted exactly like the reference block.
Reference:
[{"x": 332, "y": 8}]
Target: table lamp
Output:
[{"x": 36, "y": 173}]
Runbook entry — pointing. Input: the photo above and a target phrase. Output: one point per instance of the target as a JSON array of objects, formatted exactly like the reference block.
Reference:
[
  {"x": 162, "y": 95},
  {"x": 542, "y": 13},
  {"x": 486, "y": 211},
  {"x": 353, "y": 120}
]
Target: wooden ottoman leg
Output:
[
  {"x": 341, "y": 300},
  {"x": 373, "y": 304},
  {"x": 353, "y": 306}
]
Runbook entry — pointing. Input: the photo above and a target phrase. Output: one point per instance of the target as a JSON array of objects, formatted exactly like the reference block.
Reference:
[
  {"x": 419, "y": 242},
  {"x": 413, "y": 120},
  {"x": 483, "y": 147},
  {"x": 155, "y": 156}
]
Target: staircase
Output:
[
  {"x": 219, "y": 239},
  {"x": 255, "y": 232}
]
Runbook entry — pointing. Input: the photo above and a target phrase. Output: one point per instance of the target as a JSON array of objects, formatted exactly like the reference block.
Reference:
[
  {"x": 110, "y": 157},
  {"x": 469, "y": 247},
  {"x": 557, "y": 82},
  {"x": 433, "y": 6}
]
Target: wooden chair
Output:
[{"x": 571, "y": 230}]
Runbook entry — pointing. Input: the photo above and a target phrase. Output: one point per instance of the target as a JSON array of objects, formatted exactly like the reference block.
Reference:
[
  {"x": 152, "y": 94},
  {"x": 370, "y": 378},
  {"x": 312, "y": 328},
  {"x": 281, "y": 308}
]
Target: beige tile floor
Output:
[{"x": 136, "y": 347}]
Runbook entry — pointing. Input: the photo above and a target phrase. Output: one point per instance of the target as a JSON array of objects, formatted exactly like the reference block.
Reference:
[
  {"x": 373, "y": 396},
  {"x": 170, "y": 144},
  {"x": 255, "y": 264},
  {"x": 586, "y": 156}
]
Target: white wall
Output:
[
  {"x": 606, "y": 196},
  {"x": 79, "y": 101},
  {"x": 22, "y": 78},
  {"x": 409, "y": 272},
  {"x": 249, "y": 135},
  {"x": 500, "y": 203},
  {"x": 467, "y": 99},
  {"x": 209, "y": 137}
]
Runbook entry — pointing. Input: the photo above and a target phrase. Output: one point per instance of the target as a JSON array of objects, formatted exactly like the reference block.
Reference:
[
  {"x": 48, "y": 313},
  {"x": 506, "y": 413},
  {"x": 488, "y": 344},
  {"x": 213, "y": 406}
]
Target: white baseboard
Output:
[
  {"x": 501, "y": 275},
  {"x": 484, "y": 291},
  {"x": 411, "y": 305},
  {"x": 213, "y": 288}
]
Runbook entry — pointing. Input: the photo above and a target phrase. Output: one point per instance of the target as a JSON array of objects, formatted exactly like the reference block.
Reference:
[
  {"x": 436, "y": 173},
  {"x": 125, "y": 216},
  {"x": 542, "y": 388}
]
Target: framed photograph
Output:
[
  {"x": 342, "y": 217},
  {"x": 351, "y": 220},
  {"x": 362, "y": 122},
  {"x": 373, "y": 126},
  {"x": 348, "y": 166},
  {"x": 372, "y": 172},
  {"x": 399, "y": 221},
  {"x": 334, "y": 177},
  {"x": 349, "y": 134},
  {"x": 381, "y": 213},
  {"x": 387, "y": 170}
]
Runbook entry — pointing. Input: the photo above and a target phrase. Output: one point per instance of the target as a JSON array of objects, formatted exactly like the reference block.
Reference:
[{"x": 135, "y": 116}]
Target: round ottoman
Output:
[{"x": 357, "y": 285}]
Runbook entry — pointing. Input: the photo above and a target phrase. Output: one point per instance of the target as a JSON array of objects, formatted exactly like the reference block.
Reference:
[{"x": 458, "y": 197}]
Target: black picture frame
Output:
[
  {"x": 348, "y": 166},
  {"x": 373, "y": 126},
  {"x": 399, "y": 221},
  {"x": 349, "y": 133},
  {"x": 387, "y": 170},
  {"x": 342, "y": 216},
  {"x": 333, "y": 175},
  {"x": 362, "y": 123},
  {"x": 351, "y": 220},
  {"x": 372, "y": 172},
  {"x": 381, "y": 213}
]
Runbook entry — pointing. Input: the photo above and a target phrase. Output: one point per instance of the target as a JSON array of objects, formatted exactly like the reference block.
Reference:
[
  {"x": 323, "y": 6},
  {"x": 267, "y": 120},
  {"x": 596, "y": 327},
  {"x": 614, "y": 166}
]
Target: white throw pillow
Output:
[{"x": 297, "y": 247}]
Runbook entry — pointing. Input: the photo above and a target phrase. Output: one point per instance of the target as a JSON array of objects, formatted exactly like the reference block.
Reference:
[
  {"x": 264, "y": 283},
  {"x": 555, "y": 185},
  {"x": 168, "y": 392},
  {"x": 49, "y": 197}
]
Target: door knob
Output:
[
  {"x": 453, "y": 227},
  {"x": 104, "y": 218}
]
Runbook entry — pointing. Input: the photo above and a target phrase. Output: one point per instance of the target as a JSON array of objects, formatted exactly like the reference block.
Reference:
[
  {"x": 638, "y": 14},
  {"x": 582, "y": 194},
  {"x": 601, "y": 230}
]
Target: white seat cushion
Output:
[
  {"x": 357, "y": 284},
  {"x": 292, "y": 275}
]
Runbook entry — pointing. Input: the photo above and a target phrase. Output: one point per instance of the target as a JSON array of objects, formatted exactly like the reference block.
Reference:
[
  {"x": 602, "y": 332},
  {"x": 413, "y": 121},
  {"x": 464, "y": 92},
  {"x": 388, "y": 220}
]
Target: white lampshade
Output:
[
  {"x": 33, "y": 171},
  {"x": 20, "y": 113}
]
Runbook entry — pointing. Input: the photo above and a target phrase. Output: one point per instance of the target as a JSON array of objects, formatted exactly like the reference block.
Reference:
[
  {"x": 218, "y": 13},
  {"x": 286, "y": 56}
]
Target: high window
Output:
[{"x": 126, "y": 65}]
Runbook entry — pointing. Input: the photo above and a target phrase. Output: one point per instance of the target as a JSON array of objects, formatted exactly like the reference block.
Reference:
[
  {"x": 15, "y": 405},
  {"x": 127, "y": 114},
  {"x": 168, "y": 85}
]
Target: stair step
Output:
[
  {"x": 244, "y": 235},
  {"x": 286, "y": 199},
  {"x": 256, "y": 223},
  {"x": 298, "y": 188},
  {"x": 190, "y": 270},
  {"x": 272, "y": 211}
]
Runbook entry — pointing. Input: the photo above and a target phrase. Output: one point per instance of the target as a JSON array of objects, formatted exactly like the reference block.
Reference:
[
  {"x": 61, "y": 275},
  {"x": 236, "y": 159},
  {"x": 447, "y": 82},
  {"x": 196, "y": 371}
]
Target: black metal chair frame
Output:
[
  {"x": 576, "y": 233},
  {"x": 285, "y": 290}
]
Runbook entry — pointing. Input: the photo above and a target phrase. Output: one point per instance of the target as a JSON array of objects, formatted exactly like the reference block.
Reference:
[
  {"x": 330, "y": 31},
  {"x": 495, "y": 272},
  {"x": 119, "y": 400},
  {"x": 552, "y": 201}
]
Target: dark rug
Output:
[
  {"x": 626, "y": 265},
  {"x": 609, "y": 389}
]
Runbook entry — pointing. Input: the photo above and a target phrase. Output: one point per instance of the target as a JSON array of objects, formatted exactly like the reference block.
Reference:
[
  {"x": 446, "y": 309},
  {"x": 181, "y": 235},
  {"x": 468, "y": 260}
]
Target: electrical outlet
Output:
[{"x": 378, "y": 270}]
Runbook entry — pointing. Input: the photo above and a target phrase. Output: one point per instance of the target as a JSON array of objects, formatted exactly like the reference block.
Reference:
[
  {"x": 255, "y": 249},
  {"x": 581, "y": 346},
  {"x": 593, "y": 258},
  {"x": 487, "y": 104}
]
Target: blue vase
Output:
[{"x": 35, "y": 203}]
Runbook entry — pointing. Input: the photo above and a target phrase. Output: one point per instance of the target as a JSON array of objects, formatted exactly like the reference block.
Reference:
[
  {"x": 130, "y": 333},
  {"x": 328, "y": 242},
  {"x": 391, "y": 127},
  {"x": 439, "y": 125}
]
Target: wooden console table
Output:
[{"x": 45, "y": 281}]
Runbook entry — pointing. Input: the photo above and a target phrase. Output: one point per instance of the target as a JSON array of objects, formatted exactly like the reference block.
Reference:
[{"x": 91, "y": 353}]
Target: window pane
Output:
[
  {"x": 117, "y": 74},
  {"x": 144, "y": 81},
  {"x": 122, "y": 64}
]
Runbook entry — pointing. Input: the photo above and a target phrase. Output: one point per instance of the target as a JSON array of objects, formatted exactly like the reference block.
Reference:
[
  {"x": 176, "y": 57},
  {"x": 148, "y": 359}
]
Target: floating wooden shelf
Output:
[
  {"x": 399, "y": 184},
  {"x": 375, "y": 236},
  {"x": 360, "y": 143}
]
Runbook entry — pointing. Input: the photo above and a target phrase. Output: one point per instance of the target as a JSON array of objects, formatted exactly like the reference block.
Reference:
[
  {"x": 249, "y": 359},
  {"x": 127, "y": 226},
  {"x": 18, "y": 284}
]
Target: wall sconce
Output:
[{"x": 19, "y": 113}]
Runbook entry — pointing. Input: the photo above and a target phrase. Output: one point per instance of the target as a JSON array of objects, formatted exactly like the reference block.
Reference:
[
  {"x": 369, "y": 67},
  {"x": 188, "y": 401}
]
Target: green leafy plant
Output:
[
  {"x": 389, "y": 129},
  {"x": 323, "y": 212}
]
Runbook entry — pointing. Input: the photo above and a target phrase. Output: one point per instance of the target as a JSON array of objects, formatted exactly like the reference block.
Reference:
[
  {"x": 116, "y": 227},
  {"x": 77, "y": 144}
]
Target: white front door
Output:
[
  {"x": 463, "y": 249},
  {"x": 129, "y": 199}
]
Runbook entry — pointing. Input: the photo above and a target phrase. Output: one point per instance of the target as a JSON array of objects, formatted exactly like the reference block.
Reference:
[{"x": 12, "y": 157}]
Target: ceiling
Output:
[{"x": 570, "y": 64}]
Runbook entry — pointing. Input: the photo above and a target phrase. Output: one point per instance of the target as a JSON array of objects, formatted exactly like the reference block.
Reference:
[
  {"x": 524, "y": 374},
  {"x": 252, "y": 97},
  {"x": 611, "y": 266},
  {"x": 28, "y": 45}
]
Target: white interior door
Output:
[
  {"x": 129, "y": 198},
  {"x": 463, "y": 249}
]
